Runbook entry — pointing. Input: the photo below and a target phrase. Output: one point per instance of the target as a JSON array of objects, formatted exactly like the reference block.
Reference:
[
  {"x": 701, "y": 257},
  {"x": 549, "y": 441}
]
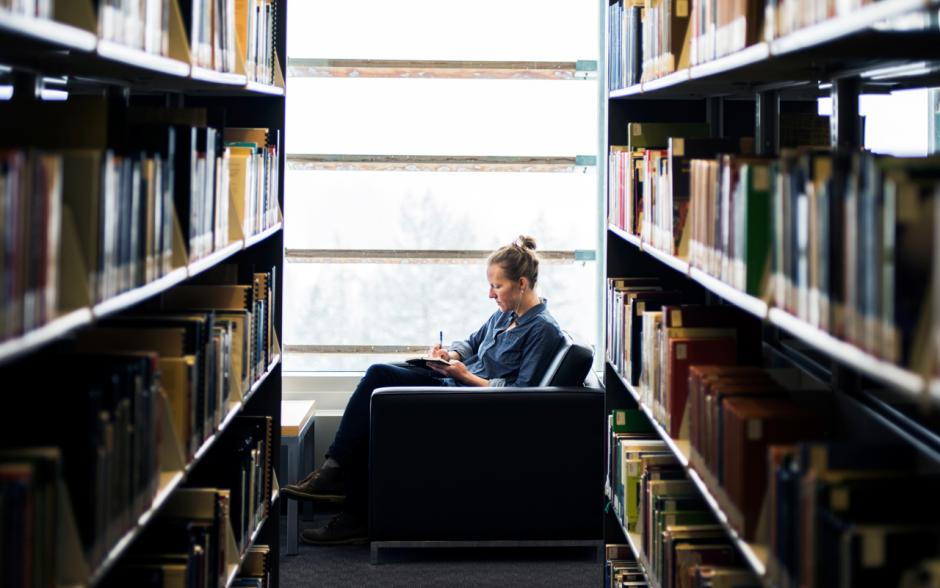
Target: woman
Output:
[{"x": 513, "y": 348}]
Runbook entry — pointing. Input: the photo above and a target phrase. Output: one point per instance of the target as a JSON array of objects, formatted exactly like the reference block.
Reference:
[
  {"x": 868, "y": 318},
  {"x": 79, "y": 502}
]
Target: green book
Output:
[
  {"x": 756, "y": 255},
  {"x": 631, "y": 421}
]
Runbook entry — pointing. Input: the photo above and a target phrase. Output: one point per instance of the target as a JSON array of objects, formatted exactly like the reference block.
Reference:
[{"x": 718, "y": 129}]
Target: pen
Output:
[{"x": 440, "y": 337}]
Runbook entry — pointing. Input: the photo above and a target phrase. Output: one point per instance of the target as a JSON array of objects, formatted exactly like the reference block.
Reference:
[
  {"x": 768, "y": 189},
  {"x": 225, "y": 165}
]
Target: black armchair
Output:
[{"x": 454, "y": 467}]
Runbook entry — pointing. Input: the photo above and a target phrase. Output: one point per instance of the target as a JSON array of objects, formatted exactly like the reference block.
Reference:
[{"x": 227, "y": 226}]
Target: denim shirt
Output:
[{"x": 515, "y": 357}]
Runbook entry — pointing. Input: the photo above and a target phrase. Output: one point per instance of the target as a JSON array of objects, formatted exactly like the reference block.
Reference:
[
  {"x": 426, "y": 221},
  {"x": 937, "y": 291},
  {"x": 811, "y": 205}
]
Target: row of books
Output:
[
  {"x": 107, "y": 200},
  {"x": 840, "y": 239},
  {"x": 679, "y": 541},
  {"x": 200, "y": 349},
  {"x": 748, "y": 427},
  {"x": 245, "y": 470},
  {"x": 141, "y": 24},
  {"x": 103, "y": 440},
  {"x": 190, "y": 545},
  {"x": 654, "y": 338},
  {"x": 37, "y": 8},
  {"x": 650, "y": 182},
  {"x": 28, "y": 512},
  {"x": 253, "y": 177},
  {"x": 216, "y": 168},
  {"x": 852, "y": 246},
  {"x": 650, "y": 39},
  {"x": 734, "y": 414},
  {"x": 225, "y": 33},
  {"x": 625, "y": 66},
  {"x": 30, "y": 221}
]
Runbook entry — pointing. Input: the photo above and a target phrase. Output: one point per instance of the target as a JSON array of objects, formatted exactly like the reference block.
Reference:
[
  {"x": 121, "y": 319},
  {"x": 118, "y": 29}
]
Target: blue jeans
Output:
[{"x": 351, "y": 444}]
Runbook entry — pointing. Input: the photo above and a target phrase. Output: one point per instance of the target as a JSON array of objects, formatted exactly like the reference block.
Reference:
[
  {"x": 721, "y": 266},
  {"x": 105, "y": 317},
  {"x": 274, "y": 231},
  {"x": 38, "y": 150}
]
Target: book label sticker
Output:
[
  {"x": 621, "y": 418},
  {"x": 678, "y": 146},
  {"x": 839, "y": 500},
  {"x": 873, "y": 548},
  {"x": 682, "y": 351},
  {"x": 682, "y": 8},
  {"x": 637, "y": 129},
  {"x": 676, "y": 316},
  {"x": 755, "y": 429},
  {"x": 761, "y": 177}
]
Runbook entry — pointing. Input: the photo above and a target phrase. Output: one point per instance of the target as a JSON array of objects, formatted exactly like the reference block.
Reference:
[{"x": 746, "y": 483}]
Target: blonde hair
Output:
[{"x": 518, "y": 260}]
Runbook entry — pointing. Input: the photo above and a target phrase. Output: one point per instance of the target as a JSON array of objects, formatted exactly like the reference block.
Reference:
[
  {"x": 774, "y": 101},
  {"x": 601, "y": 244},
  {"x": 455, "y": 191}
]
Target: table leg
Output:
[{"x": 293, "y": 464}]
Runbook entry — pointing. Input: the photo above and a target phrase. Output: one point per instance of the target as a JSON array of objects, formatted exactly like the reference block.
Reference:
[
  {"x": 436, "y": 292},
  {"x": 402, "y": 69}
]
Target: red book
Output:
[
  {"x": 751, "y": 425},
  {"x": 749, "y": 328},
  {"x": 702, "y": 376},
  {"x": 685, "y": 352}
]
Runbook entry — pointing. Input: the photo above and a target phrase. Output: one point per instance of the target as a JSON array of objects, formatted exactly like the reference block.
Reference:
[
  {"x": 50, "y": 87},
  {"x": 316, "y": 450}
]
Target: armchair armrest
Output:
[{"x": 474, "y": 464}]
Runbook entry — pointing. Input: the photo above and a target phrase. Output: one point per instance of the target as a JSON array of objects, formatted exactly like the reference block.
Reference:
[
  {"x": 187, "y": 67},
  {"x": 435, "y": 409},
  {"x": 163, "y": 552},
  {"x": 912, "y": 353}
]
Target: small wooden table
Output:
[{"x": 297, "y": 421}]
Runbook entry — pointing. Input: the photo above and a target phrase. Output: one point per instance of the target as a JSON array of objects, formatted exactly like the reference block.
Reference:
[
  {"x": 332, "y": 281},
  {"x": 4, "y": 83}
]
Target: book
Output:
[
  {"x": 426, "y": 362},
  {"x": 140, "y": 24}
]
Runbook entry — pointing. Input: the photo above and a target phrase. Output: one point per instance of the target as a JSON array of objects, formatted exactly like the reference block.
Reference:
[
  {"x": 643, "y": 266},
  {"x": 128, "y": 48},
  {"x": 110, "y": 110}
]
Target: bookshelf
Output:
[
  {"x": 145, "y": 93},
  {"x": 767, "y": 89}
]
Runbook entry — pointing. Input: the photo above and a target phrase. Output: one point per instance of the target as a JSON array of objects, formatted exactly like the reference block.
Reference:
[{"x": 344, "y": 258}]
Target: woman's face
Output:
[{"x": 506, "y": 292}]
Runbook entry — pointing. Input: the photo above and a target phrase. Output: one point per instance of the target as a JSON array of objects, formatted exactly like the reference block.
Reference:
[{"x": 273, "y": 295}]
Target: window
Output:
[{"x": 414, "y": 149}]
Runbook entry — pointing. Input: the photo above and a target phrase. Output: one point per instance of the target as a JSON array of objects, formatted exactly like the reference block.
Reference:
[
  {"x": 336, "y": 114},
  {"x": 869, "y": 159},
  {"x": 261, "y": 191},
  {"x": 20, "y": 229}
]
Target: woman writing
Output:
[{"x": 513, "y": 348}]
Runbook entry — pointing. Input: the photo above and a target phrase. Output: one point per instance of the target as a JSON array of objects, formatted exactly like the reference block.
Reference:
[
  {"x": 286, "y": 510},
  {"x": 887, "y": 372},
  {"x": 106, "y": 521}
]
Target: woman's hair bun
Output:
[{"x": 526, "y": 242}]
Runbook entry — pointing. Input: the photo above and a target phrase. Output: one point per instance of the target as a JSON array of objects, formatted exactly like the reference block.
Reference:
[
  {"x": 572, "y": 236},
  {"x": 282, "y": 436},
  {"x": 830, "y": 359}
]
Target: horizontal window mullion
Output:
[
  {"x": 351, "y": 349},
  {"x": 431, "y": 69},
  {"x": 400, "y": 256},
  {"x": 436, "y": 163}
]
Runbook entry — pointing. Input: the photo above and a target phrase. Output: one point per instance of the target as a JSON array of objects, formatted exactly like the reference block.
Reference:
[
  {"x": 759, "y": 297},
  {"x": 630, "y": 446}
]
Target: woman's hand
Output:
[
  {"x": 438, "y": 351},
  {"x": 458, "y": 371}
]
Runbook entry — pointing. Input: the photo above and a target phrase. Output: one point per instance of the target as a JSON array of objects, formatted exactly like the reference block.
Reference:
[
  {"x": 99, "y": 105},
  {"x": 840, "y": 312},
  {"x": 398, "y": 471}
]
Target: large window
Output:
[{"x": 421, "y": 135}]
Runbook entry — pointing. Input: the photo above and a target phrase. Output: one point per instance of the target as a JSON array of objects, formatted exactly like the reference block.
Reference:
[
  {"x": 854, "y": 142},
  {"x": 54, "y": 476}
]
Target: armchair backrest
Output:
[{"x": 571, "y": 365}]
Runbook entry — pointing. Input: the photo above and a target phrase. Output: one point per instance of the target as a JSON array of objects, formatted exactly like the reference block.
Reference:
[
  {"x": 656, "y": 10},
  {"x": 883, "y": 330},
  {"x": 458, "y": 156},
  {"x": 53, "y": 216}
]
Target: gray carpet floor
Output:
[{"x": 342, "y": 566}]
